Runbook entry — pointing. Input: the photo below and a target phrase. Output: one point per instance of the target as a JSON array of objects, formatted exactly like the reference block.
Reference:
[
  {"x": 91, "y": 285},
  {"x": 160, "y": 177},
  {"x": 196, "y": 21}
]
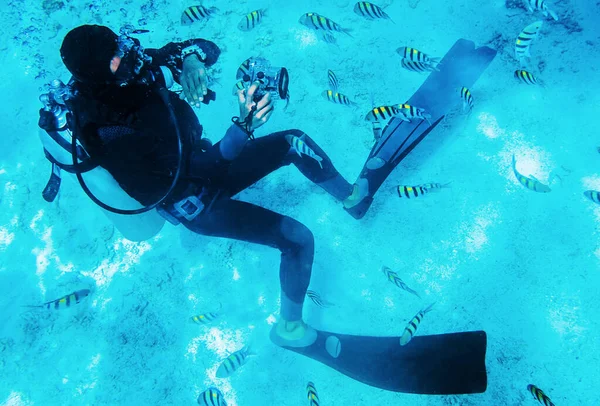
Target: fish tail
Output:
[
  {"x": 319, "y": 160},
  {"x": 214, "y": 10},
  {"x": 552, "y": 14},
  {"x": 264, "y": 11},
  {"x": 447, "y": 184},
  {"x": 347, "y": 31},
  {"x": 429, "y": 308}
]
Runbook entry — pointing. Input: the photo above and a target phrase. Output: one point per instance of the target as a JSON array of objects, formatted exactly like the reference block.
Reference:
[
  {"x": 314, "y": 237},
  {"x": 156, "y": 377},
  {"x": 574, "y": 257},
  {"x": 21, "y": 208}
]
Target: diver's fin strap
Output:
[{"x": 52, "y": 187}]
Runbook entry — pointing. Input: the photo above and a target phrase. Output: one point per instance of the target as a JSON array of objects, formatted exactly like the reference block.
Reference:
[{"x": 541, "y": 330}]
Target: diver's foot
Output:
[
  {"x": 360, "y": 191},
  {"x": 293, "y": 334}
]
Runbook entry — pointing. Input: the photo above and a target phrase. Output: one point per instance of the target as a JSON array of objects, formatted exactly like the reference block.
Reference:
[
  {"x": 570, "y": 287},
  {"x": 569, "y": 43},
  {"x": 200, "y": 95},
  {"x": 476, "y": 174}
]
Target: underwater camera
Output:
[{"x": 271, "y": 80}]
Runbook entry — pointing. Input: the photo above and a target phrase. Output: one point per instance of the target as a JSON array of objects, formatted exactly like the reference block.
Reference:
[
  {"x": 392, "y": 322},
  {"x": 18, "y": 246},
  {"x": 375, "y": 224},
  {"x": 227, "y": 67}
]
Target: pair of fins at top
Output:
[{"x": 442, "y": 364}]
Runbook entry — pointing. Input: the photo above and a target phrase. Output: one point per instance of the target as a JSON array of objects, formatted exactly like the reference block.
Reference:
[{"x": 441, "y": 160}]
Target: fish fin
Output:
[
  {"x": 446, "y": 184},
  {"x": 553, "y": 14},
  {"x": 347, "y": 31},
  {"x": 214, "y": 10},
  {"x": 319, "y": 160},
  {"x": 264, "y": 11},
  {"x": 429, "y": 308}
]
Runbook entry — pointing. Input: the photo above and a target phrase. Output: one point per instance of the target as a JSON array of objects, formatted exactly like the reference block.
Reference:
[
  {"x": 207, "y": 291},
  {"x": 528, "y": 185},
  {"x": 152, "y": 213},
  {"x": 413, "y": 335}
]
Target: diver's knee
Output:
[{"x": 296, "y": 234}]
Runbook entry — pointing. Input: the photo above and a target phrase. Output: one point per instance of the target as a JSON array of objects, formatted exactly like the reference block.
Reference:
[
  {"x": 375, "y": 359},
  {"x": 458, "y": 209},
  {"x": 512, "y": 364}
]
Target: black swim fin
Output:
[
  {"x": 440, "y": 92},
  {"x": 445, "y": 364}
]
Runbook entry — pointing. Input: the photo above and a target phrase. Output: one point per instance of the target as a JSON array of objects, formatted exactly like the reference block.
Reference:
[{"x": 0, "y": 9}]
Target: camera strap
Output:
[{"x": 246, "y": 125}]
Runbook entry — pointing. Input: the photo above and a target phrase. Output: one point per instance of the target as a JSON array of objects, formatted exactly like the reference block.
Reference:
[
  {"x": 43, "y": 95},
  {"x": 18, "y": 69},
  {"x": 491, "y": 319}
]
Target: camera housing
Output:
[{"x": 270, "y": 80}]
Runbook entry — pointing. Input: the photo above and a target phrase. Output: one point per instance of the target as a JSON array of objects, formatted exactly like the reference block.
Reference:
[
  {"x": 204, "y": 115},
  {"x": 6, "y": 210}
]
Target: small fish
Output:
[
  {"x": 435, "y": 186},
  {"x": 239, "y": 85},
  {"x": 333, "y": 81},
  {"x": 197, "y": 13},
  {"x": 328, "y": 37},
  {"x": 337, "y": 98},
  {"x": 301, "y": 148},
  {"x": 592, "y": 195},
  {"x": 316, "y": 298},
  {"x": 312, "y": 395},
  {"x": 411, "y": 191},
  {"x": 525, "y": 77},
  {"x": 234, "y": 362},
  {"x": 414, "y": 55},
  {"x": 411, "y": 327},
  {"x": 530, "y": 182},
  {"x": 540, "y": 5},
  {"x": 370, "y": 11},
  {"x": 416, "y": 66},
  {"x": 525, "y": 38},
  {"x": 65, "y": 301},
  {"x": 408, "y": 112},
  {"x": 395, "y": 279},
  {"x": 244, "y": 69},
  {"x": 382, "y": 113},
  {"x": 252, "y": 19},
  {"x": 467, "y": 98},
  {"x": 211, "y": 397},
  {"x": 205, "y": 318},
  {"x": 539, "y": 395},
  {"x": 318, "y": 22}
]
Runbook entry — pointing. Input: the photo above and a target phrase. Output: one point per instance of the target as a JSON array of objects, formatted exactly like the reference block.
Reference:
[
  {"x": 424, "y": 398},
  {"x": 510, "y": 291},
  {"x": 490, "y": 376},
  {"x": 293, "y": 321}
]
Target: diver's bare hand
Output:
[
  {"x": 264, "y": 107},
  {"x": 194, "y": 80}
]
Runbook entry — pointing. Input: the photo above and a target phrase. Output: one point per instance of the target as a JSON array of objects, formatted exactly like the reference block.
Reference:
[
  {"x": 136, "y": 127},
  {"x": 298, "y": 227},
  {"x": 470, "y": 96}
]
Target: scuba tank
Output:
[{"x": 66, "y": 153}]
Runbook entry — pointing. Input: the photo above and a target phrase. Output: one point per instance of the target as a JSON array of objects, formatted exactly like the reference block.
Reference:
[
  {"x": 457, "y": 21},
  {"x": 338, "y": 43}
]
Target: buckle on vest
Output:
[{"x": 189, "y": 208}]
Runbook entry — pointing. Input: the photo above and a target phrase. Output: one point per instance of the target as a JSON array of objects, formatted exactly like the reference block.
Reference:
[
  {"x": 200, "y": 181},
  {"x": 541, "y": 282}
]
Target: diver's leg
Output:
[
  {"x": 267, "y": 154},
  {"x": 247, "y": 222}
]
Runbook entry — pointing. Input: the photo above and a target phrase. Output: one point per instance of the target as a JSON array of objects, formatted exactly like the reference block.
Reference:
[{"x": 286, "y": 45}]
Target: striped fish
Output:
[
  {"x": 328, "y": 37},
  {"x": 593, "y": 195},
  {"x": 416, "y": 66},
  {"x": 205, "y": 318},
  {"x": 234, "y": 362},
  {"x": 525, "y": 38},
  {"x": 337, "y": 98},
  {"x": 197, "y": 13},
  {"x": 408, "y": 112},
  {"x": 382, "y": 113},
  {"x": 244, "y": 69},
  {"x": 312, "y": 395},
  {"x": 539, "y": 395},
  {"x": 333, "y": 81},
  {"x": 411, "y": 191},
  {"x": 252, "y": 19},
  {"x": 414, "y": 55},
  {"x": 530, "y": 182},
  {"x": 540, "y": 5},
  {"x": 318, "y": 22},
  {"x": 370, "y": 11},
  {"x": 395, "y": 279},
  {"x": 211, "y": 397},
  {"x": 525, "y": 77},
  {"x": 434, "y": 186},
  {"x": 317, "y": 299},
  {"x": 467, "y": 98},
  {"x": 301, "y": 148},
  {"x": 411, "y": 327},
  {"x": 65, "y": 301},
  {"x": 239, "y": 85}
]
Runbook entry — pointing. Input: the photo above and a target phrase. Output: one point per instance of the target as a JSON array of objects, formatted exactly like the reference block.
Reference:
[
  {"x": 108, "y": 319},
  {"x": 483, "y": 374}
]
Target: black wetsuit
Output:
[{"x": 128, "y": 130}]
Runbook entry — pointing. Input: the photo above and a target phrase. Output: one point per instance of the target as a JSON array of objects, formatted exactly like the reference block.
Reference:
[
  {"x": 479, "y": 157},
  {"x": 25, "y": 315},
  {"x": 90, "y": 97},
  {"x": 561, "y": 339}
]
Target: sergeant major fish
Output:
[
  {"x": 593, "y": 195},
  {"x": 211, "y": 397},
  {"x": 234, "y": 362},
  {"x": 317, "y": 299},
  {"x": 411, "y": 327},
  {"x": 370, "y": 11},
  {"x": 408, "y": 112},
  {"x": 252, "y": 19},
  {"x": 337, "y": 98},
  {"x": 467, "y": 98},
  {"x": 382, "y": 113},
  {"x": 301, "y": 148},
  {"x": 328, "y": 37},
  {"x": 333, "y": 81},
  {"x": 312, "y": 395},
  {"x": 395, "y": 279},
  {"x": 530, "y": 182},
  {"x": 318, "y": 22},
  {"x": 539, "y": 395},
  {"x": 416, "y": 66},
  {"x": 524, "y": 40},
  {"x": 540, "y": 5},
  {"x": 525, "y": 77},
  {"x": 408, "y": 191},
  {"x": 414, "y": 55},
  {"x": 65, "y": 301},
  {"x": 197, "y": 13}
]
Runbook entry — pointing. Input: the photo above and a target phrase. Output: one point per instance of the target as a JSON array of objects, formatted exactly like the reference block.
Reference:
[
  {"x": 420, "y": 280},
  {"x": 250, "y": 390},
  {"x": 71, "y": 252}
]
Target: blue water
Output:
[{"x": 494, "y": 256}]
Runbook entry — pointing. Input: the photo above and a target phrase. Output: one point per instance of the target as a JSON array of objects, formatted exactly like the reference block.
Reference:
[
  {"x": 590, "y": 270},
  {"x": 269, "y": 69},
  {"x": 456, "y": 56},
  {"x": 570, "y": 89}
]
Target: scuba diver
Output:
[
  {"x": 141, "y": 150},
  {"x": 117, "y": 115}
]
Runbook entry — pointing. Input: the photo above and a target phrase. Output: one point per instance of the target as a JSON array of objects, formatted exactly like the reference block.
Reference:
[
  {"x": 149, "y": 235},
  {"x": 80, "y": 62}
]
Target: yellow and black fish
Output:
[
  {"x": 197, "y": 13},
  {"x": 525, "y": 77},
  {"x": 244, "y": 69},
  {"x": 234, "y": 362},
  {"x": 395, "y": 279},
  {"x": 407, "y": 112},
  {"x": 211, "y": 397},
  {"x": 540, "y": 5},
  {"x": 333, "y": 81},
  {"x": 317, "y": 299},
  {"x": 205, "y": 318},
  {"x": 530, "y": 182},
  {"x": 382, "y": 113},
  {"x": 467, "y": 98},
  {"x": 416, "y": 66},
  {"x": 539, "y": 395},
  {"x": 66, "y": 301},
  {"x": 593, "y": 195},
  {"x": 337, "y": 98},
  {"x": 370, "y": 11},
  {"x": 411, "y": 191},
  {"x": 252, "y": 19},
  {"x": 328, "y": 37},
  {"x": 411, "y": 327},
  {"x": 414, "y": 55},
  {"x": 525, "y": 38},
  {"x": 302, "y": 149},
  {"x": 312, "y": 395},
  {"x": 318, "y": 22}
]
